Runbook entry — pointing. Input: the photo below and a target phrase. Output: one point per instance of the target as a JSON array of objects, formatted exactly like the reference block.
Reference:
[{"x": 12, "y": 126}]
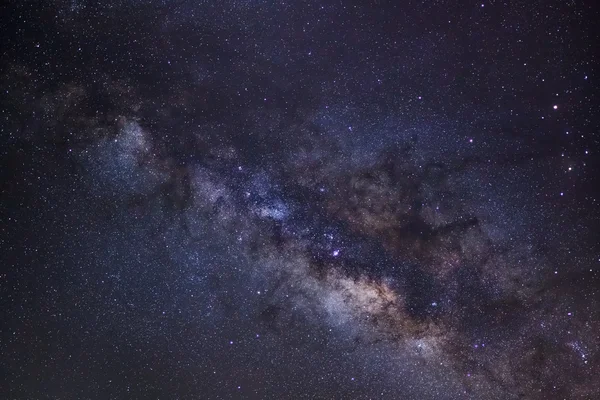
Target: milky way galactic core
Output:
[{"x": 299, "y": 200}]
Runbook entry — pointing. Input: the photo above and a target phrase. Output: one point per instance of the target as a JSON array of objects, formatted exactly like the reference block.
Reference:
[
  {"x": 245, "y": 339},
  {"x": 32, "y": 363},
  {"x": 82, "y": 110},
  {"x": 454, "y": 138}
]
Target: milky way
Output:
[{"x": 328, "y": 200}]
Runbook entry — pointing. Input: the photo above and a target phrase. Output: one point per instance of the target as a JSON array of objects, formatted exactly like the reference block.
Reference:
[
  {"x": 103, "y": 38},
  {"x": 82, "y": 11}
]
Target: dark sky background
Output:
[{"x": 251, "y": 199}]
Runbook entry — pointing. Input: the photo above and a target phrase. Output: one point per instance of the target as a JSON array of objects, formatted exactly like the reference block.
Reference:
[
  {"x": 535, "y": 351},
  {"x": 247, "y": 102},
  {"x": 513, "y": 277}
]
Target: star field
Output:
[{"x": 299, "y": 200}]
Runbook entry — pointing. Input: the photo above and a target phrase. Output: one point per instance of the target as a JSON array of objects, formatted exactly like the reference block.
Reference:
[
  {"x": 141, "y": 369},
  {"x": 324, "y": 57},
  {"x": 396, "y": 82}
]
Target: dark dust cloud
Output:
[{"x": 299, "y": 200}]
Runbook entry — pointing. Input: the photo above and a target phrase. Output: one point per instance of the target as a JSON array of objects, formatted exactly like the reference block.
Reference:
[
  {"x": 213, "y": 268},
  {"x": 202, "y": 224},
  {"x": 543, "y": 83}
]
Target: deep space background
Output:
[{"x": 299, "y": 200}]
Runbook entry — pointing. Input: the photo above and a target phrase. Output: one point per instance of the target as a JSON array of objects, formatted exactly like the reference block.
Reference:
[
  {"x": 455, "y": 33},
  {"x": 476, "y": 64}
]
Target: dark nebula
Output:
[{"x": 299, "y": 200}]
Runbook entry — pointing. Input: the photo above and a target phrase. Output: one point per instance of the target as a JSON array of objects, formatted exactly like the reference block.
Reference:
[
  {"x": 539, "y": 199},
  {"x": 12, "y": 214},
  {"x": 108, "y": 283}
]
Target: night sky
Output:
[{"x": 251, "y": 199}]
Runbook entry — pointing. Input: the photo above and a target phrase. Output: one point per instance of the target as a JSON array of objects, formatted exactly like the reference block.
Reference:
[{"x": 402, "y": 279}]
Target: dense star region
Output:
[{"x": 243, "y": 199}]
